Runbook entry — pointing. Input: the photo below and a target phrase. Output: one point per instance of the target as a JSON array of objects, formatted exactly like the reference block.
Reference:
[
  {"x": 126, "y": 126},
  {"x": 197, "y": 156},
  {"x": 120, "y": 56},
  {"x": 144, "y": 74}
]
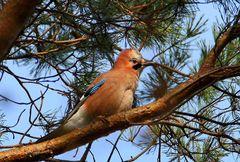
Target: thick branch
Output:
[
  {"x": 230, "y": 34},
  {"x": 13, "y": 18},
  {"x": 161, "y": 108}
]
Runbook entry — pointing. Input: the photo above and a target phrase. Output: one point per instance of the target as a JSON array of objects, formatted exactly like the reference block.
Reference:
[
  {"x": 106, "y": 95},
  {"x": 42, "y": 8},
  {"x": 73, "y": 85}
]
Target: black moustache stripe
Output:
[{"x": 137, "y": 66}]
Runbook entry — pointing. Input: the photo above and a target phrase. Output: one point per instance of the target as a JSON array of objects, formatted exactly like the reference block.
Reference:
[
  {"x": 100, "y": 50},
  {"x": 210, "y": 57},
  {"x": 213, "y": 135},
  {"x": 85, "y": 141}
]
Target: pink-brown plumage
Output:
[
  {"x": 109, "y": 98},
  {"x": 115, "y": 95}
]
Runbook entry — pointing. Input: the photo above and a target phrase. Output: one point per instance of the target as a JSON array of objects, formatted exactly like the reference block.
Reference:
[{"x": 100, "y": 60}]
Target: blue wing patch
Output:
[
  {"x": 88, "y": 93},
  {"x": 93, "y": 89}
]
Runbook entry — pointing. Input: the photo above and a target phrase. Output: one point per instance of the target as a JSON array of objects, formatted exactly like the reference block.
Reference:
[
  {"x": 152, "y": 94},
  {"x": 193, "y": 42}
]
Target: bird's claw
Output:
[{"x": 102, "y": 118}]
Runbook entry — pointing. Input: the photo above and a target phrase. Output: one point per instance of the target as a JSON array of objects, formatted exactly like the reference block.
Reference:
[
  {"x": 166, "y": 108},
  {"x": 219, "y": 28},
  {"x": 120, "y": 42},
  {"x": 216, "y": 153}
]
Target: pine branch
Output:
[{"x": 160, "y": 108}]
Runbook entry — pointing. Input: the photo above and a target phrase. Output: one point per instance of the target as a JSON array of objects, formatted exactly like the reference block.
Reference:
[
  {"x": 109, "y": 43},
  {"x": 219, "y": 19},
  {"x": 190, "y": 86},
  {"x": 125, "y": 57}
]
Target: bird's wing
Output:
[
  {"x": 90, "y": 91},
  {"x": 62, "y": 129},
  {"x": 112, "y": 97}
]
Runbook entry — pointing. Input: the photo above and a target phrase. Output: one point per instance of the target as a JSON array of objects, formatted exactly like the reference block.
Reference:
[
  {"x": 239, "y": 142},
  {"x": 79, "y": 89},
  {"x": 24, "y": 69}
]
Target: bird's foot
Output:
[{"x": 102, "y": 118}]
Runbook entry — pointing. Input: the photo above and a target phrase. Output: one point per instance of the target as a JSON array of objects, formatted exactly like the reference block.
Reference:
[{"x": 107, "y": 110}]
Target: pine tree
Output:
[{"x": 64, "y": 45}]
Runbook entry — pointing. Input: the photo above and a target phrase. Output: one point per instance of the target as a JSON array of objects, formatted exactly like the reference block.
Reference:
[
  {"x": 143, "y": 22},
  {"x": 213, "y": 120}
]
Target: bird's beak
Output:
[{"x": 147, "y": 62}]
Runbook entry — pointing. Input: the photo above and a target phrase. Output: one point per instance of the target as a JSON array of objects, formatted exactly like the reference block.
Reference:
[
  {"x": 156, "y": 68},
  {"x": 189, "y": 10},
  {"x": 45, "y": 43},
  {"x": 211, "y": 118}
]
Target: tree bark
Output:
[{"x": 13, "y": 18}]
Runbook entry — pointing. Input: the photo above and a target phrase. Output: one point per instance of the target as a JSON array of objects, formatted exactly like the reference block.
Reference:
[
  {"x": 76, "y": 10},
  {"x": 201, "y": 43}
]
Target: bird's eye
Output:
[{"x": 133, "y": 60}]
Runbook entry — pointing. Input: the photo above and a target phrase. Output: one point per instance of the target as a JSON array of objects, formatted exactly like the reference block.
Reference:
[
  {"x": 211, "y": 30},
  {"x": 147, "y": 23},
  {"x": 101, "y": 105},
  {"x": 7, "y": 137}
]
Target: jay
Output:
[{"x": 109, "y": 93}]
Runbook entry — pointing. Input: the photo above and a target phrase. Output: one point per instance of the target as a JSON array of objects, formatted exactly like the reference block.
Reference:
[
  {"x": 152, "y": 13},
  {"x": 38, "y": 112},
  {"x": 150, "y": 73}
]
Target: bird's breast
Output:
[{"x": 114, "y": 96}]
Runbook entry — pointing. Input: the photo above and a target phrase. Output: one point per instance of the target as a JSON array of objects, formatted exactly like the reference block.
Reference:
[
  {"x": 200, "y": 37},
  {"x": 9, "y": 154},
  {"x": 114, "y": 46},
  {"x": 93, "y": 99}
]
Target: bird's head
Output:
[{"x": 131, "y": 58}]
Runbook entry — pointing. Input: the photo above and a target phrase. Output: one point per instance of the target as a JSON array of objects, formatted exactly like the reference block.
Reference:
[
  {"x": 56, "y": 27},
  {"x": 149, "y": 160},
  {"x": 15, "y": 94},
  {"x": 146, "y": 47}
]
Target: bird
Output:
[{"x": 111, "y": 92}]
